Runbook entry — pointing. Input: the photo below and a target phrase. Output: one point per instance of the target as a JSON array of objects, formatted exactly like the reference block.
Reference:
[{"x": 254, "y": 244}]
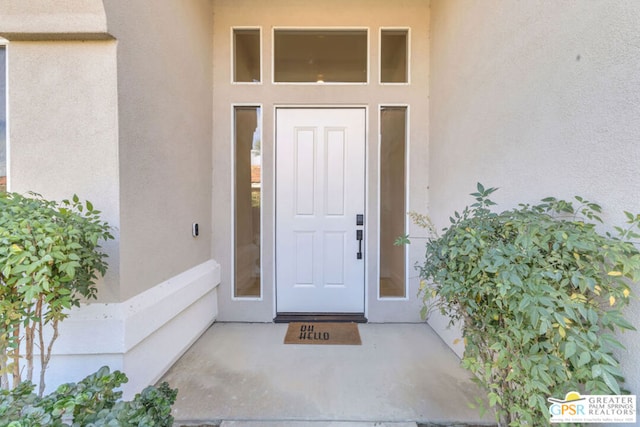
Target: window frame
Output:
[
  {"x": 407, "y": 183},
  {"x": 408, "y": 31},
  {"x": 261, "y": 297},
  {"x": 366, "y": 30},
  {"x": 233, "y": 30}
]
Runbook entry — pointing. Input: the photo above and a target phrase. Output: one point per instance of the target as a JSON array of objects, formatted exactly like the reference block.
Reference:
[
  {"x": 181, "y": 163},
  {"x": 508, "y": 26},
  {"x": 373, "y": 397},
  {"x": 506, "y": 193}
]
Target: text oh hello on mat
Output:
[{"x": 322, "y": 333}]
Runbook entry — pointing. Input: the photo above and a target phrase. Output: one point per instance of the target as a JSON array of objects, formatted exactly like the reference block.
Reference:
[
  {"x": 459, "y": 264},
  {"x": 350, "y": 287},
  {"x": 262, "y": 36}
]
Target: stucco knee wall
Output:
[{"x": 142, "y": 336}]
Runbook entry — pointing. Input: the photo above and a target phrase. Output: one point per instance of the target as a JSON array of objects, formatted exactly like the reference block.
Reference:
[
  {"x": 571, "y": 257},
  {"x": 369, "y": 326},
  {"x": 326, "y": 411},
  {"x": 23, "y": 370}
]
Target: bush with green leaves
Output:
[
  {"x": 92, "y": 402},
  {"x": 49, "y": 259},
  {"x": 539, "y": 293}
]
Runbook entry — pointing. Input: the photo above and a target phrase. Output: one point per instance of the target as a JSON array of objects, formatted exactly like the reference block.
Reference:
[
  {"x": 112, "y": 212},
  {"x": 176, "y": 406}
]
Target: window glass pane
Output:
[
  {"x": 246, "y": 54},
  {"x": 393, "y": 55},
  {"x": 3, "y": 120},
  {"x": 320, "y": 56},
  {"x": 392, "y": 201},
  {"x": 248, "y": 183}
]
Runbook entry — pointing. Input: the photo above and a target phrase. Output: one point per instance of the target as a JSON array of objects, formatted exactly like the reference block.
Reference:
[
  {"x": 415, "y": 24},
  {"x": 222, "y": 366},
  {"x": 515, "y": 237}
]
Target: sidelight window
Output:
[
  {"x": 393, "y": 154},
  {"x": 3, "y": 119},
  {"x": 248, "y": 202}
]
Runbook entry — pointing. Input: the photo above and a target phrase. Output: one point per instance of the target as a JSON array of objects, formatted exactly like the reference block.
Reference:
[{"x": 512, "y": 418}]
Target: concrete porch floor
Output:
[{"x": 242, "y": 374}]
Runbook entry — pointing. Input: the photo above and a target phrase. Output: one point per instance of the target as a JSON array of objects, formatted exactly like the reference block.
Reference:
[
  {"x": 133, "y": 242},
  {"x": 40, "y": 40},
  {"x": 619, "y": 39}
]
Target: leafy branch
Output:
[
  {"x": 92, "y": 401},
  {"x": 540, "y": 295},
  {"x": 50, "y": 258}
]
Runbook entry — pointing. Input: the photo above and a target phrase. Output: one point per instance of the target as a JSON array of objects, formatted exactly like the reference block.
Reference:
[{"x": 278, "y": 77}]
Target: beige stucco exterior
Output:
[
  {"x": 62, "y": 127},
  {"x": 164, "y": 61},
  {"x": 372, "y": 15},
  {"x": 98, "y": 126},
  {"x": 123, "y": 119},
  {"x": 130, "y": 106},
  {"x": 33, "y": 19},
  {"x": 538, "y": 98}
]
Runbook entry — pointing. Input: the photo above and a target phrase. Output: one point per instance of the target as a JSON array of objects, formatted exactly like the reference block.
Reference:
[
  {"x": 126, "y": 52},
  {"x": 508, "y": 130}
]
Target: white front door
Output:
[{"x": 320, "y": 191}]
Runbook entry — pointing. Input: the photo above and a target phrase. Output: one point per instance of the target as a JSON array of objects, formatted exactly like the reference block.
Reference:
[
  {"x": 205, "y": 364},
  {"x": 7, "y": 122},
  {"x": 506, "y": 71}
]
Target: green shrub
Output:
[
  {"x": 91, "y": 402},
  {"x": 539, "y": 293},
  {"x": 49, "y": 258}
]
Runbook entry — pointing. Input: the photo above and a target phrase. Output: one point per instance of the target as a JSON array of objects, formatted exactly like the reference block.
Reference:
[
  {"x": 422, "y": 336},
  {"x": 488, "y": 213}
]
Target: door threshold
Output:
[{"x": 320, "y": 317}]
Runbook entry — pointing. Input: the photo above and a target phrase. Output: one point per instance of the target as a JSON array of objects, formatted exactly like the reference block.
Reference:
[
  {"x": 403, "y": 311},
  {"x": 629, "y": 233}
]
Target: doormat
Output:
[{"x": 323, "y": 333}]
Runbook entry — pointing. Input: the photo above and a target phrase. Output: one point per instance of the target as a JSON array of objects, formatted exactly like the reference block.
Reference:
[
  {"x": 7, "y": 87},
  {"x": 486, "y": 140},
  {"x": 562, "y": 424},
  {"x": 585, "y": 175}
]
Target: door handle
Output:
[{"x": 359, "y": 234}]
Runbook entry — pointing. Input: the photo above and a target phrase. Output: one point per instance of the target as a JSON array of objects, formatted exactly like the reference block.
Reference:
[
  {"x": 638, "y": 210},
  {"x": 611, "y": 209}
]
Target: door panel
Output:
[
  {"x": 320, "y": 188},
  {"x": 335, "y": 172}
]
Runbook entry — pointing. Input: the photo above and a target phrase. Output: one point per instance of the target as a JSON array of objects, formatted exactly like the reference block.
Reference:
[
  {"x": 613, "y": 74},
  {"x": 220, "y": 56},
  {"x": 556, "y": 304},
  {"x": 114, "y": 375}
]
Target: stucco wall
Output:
[
  {"x": 164, "y": 96},
  {"x": 62, "y": 127},
  {"x": 52, "y": 17},
  {"x": 370, "y": 14},
  {"x": 538, "y": 98},
  {"x": 124, "y": 119},
  {"x": 136, "y": 110},
  {"x": 61, "y": 115}
]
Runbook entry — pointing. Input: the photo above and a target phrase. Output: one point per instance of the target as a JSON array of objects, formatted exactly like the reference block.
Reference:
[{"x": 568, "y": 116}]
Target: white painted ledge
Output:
[{"x": 142, "y": 336}]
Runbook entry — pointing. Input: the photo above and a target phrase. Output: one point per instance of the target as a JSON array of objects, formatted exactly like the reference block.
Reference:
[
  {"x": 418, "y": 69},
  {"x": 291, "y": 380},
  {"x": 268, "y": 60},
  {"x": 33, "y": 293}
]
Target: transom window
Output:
[
  {"x": 394, "y": 54},
  {"x": 320, "y": 56},
  {"x": 246, "y": 55}
]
